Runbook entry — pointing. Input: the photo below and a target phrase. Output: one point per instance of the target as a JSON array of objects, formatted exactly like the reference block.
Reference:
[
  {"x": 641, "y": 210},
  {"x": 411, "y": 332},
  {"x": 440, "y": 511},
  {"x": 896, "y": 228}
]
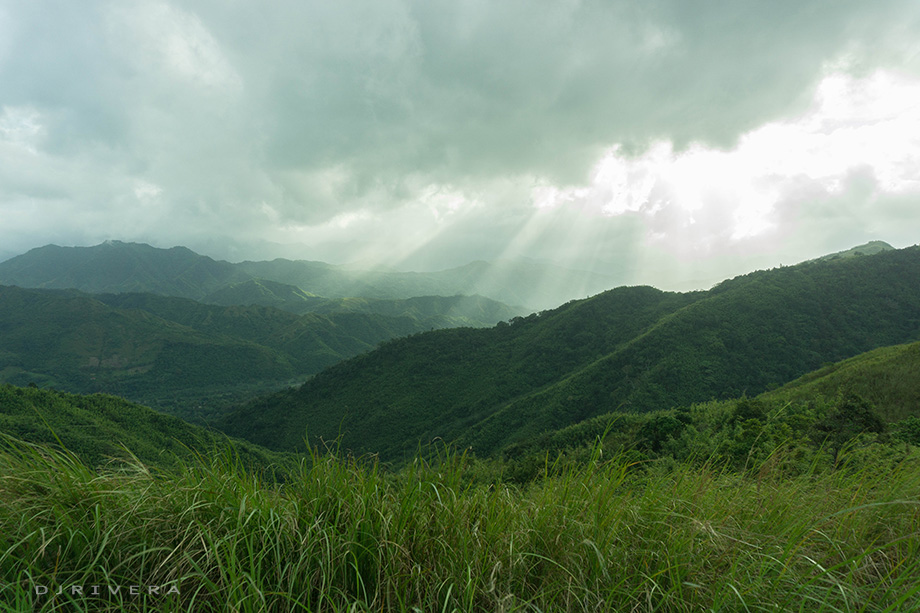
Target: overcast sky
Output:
[{"x": 671, "y": 142}]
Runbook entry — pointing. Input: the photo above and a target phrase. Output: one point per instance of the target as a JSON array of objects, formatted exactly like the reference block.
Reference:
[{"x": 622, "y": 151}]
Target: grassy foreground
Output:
[{"x": 344, "y": 535}]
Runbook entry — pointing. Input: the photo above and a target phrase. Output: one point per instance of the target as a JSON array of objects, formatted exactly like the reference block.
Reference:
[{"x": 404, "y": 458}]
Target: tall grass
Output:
[{"x": 342, "y": 534}]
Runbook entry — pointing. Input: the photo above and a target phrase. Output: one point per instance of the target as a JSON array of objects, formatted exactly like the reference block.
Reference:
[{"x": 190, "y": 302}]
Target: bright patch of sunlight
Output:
[{"x": 705, "y": 194}]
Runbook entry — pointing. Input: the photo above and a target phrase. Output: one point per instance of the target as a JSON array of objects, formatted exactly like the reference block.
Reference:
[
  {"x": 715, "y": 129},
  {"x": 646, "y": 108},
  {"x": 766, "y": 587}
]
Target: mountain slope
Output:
[
  {"x": 311, "y": 342},
  {"x": 746, "y": 335},
  {"x": 174, "y": 352},
  {"x": 634, "y": 349},
  {"x": 870, "y": 248},
  {"x": 888, "y": 377},
  {"x": 96, "y": 428},
  {"x": 70, "y": 340},
  {"x": 412, "y": 388},
  {"x": 264, "y": 292}
]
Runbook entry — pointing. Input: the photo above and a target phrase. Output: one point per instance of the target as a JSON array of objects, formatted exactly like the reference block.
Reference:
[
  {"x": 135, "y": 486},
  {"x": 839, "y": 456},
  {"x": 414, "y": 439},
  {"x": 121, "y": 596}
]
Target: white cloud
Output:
[
  {"x": 146, "y": 192},
  {"x": 21, "y": 128},
  {"x": 157, "y": 38},
  {"x": 869, "y": 124}
]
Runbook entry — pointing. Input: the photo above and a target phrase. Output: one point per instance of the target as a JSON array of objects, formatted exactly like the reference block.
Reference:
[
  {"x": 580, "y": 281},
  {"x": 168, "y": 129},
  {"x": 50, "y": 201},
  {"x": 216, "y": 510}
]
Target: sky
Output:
[{"x": 664, "y": 142}]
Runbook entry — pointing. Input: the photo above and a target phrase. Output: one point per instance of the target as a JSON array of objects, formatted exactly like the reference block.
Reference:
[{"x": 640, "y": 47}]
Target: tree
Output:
[
  {"x": 850, "y": 416},
  {"x": 657, "y": 430}
]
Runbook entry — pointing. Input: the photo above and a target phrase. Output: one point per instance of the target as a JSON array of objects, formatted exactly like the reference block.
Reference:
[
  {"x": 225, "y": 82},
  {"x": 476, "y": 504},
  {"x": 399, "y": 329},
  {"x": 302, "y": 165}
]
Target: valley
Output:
[{"x": 192, "y": 358}]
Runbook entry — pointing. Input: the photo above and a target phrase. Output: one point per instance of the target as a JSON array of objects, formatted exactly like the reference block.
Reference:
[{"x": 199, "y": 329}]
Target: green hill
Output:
[
  {"x": 99, "y": 427},
  {"x": 175, "y": 353},
  {"x": 72, "y": 341},
  {"x": 264, "y": 293},
  {"x": 629, "y": 349}
]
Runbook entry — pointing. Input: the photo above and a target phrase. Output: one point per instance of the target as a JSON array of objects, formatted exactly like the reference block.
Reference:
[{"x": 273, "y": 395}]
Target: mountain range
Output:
[
  {"x": 98, "y": 427},
  {"x": 631, "y": 349},
  {"x": 183, "y": 332},
  {"x": 423, "y": 368},
  {"x": 117, "y": 267}
]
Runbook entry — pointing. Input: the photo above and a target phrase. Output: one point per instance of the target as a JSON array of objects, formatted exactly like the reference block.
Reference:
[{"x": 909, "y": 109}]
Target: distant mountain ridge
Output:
[
  {"x": 628, "y": 349},
  {"x": 117, "y": 267},
  {"x": 435, "y": 311}
]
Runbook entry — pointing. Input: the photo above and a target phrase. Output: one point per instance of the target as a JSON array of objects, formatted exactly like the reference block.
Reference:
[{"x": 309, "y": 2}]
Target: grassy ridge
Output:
[
  {"x": 342, "y": 535},
  {"x": 99, "y": 428},
  {"x": 887, "y": 380},
  {"x": 889, "y": 377},
  {"x": 756, "y": 504}
]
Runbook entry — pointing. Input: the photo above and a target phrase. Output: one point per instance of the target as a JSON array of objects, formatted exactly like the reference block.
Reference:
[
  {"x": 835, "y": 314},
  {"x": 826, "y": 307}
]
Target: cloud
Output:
[
  {"x": 442, "y": 123},
  {"x": 858, "y": 142},
  {"x": 477, "y": 90}
]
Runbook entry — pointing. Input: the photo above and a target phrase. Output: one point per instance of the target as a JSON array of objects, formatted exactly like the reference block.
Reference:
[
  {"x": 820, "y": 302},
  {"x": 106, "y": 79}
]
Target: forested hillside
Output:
[
  {"x": 173, "y": 353},
  {"x": 629, "y": 349}
]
